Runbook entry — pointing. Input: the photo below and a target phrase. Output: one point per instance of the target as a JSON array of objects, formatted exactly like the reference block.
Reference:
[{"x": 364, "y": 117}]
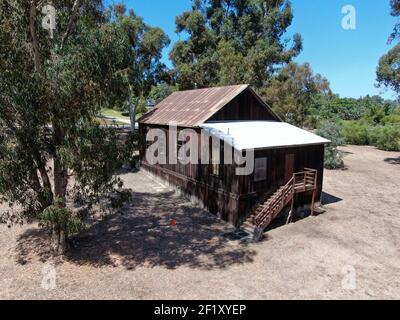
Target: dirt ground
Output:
[{"x": 352, "y": 251}]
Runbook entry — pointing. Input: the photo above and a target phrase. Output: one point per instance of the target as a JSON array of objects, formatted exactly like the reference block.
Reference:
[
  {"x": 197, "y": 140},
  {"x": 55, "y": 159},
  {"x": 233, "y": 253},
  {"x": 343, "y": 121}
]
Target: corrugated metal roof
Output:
[
  {"x": 193, "y": 107},
  {"x": 246, "y": 135}
]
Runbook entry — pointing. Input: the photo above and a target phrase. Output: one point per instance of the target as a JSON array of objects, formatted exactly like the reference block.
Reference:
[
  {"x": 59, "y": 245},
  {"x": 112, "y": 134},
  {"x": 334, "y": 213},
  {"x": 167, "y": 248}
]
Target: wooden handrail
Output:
[{"x": 279, "y": 200}]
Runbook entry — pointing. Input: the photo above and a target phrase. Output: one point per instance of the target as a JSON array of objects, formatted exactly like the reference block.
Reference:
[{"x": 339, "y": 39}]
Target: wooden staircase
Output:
[{"x": 269, "y": 210}]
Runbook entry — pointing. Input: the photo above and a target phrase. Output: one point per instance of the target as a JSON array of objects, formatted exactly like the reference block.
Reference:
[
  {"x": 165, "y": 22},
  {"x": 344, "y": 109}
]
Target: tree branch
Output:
[
  {"x": 74, "y": 11},
  {"x": 43, "y": 173},
  {"x": 35, "y": 45}
]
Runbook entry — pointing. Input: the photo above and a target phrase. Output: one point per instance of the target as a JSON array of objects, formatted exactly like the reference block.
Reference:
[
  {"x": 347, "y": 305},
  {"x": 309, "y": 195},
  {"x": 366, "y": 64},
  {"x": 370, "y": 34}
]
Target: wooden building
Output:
[{"x": 288, "y": 161}]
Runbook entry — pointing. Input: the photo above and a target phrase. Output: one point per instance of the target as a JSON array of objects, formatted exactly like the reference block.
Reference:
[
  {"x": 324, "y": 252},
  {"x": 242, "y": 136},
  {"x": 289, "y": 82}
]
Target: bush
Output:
[
  {"x": 386, "y": 137},
  {"x": 60, "y": 218},
  {"x": 333, "y": 159},
  {"x": 331, "y": 131},
  {"x": 391, "y": 119},
  {"x": 311, "y": 122},
  {"x": 356, "y": 133}
]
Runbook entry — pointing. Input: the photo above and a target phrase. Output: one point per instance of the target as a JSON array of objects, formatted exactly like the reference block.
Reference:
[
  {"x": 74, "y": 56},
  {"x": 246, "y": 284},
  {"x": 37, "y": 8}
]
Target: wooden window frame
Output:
[
  {"x": 215, "y": 168},
  {"x": 179, "y": 145},
  {"x": 264, "y": 168},
  {"x": 164, "y": 140}
]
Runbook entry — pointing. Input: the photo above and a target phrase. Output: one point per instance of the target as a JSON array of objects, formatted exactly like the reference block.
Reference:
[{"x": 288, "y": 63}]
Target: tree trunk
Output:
[
  {"x": 35, "y": 45},
  {"x": 59, "y": 236},
  {"x": 60, "y": 182},
  {"x": 132, "y": 112},
  {"x": 59, "y": 241}
]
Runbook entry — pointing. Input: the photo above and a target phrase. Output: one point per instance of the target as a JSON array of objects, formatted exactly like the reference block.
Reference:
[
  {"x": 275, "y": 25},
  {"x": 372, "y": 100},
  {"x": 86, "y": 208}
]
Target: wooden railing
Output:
[{"x": 300, "y": 182}]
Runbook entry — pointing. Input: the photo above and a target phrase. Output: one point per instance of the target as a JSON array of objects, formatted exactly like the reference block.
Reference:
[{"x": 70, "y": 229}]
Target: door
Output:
[{"x": 289, "y": 166}]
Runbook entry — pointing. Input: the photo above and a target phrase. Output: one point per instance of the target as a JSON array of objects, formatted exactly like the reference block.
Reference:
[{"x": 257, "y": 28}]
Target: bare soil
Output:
[{"x": 351, "y": 251}]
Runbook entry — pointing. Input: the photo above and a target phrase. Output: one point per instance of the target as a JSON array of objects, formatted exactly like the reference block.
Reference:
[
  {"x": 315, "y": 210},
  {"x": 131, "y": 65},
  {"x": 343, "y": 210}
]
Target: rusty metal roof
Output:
[{"x": 193, "y": 107}]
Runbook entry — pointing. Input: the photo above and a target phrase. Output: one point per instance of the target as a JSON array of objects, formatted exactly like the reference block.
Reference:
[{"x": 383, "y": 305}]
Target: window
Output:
[
  {"x": 179, "y": 146},
  {"x": 215, "y": 159},
  {"x": 260, "y": 169},
  {"x": 162, "y": 144}
]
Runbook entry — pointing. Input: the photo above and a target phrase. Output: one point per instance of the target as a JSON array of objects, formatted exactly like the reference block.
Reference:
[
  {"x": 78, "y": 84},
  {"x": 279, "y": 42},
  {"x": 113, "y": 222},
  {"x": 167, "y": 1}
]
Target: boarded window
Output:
[
  {"x": 215, "y": 159},
  {"x": 179, "y": 145},
  {"x": 260, "y": 169},
  {"x": 162, "y": 145}
]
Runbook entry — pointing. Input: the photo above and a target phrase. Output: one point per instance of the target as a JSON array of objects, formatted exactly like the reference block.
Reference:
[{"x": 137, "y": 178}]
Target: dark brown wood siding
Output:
[
  {"x": 245, "y": 107},
  {"x": 303, "y": 157},
  {"x": 233, "y": 197},
  {"x": 230, "y": 196}
]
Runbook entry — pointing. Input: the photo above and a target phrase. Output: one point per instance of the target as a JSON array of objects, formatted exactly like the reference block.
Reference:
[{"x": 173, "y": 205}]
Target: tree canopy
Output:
[
  {"x": 388, "y": 72},
  {"x": 233, "y": 41},
  {"x": 389, "y": 65},
  {"x": 395, "y": 12},
  {"x": 52, "y": 149},
  {"x": 291, "y": 92}
]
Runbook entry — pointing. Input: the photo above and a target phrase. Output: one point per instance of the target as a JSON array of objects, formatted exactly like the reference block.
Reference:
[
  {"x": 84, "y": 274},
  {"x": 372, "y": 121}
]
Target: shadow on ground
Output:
[
  {"x": 146, "y": 236},
  {"x": 393, "y": 160},
  {"x": 329, "y": 199},
  {"x": 282, "y": 219}
]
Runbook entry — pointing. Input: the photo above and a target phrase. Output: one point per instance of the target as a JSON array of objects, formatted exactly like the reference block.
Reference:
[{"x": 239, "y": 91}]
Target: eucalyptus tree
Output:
[
  {"x": 60, "y": 63},
  {"x": 291, "y": 92},
  {"x": 388, "y": 71},
  {"x": 233, "y": 41}
]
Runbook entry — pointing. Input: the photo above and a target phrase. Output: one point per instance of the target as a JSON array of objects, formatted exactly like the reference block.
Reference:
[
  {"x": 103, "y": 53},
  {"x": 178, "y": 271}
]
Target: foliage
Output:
[
  {"x": 333, "y": 157},
  {"x": 332, "y": 106},
  {"x": 391, "y": 119},
  {"x": 372, "y": 109},
  {"x": 369, "y": 120},
  {"x": 395, "y": 5},
  {"x": 146, "y": 46},
  {"x": 146, "y": 69},
  {"x": 231, "y": 42},
  {"x": 331, "y": 131},
  {"x": 292, "y": 90},
  {"x": 386, "y": 137},
  {"x": 161, "y": 91},
  {"x": 51, "y": 92},
  {"x": 58, "y": 217},
  {"x": 388, "y": 72},
  {"x": 388, "y": 68},
  {"x": 356, "y": 132}
]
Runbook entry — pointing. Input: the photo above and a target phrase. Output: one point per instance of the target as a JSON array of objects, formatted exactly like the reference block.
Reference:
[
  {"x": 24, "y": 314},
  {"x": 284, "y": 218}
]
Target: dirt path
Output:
[{"x": 351, "y": 251}]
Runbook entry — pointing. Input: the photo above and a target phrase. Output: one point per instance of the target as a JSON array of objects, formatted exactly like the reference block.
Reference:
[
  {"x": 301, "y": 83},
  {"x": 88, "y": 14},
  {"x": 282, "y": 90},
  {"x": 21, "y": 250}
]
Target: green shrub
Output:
[
  {"x": 60, "y": 218},
  {"x": 356, "y": 133},
  {"x": 375, "y": 114},
  {"x": 386, "y": 137},
  {"x": 391, "y": 119},
  {"x": 331, "y": 131},
  {"x": 333, "y": 158},
  {"x": 311, "y": 122}
]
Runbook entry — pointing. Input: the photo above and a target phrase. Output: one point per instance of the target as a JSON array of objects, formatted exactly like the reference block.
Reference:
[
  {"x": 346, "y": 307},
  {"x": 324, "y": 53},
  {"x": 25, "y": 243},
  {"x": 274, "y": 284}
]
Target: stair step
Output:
[
  {"x": 249, "y": 224},
  {"x": 250, "y": 220},
  {"x": 270, "y": 209}
]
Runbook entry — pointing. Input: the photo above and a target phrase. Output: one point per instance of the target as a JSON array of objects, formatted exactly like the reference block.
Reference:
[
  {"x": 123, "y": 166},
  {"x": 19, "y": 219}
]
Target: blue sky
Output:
[{"x": 348, "y": 58}]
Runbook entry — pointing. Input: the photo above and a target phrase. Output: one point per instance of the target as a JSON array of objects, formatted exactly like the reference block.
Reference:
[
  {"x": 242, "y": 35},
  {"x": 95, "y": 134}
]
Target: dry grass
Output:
[{"x": 140, "y": 255}]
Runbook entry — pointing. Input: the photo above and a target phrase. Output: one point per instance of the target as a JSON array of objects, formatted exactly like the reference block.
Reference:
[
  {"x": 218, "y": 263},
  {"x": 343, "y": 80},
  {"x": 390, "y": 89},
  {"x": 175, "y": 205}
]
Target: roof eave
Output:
[{"x": 287, "y": 146}]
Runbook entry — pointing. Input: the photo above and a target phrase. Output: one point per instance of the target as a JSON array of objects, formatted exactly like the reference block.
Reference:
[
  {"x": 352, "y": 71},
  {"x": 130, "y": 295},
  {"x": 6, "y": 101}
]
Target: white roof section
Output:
[{"x": 245, "y": 135}]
